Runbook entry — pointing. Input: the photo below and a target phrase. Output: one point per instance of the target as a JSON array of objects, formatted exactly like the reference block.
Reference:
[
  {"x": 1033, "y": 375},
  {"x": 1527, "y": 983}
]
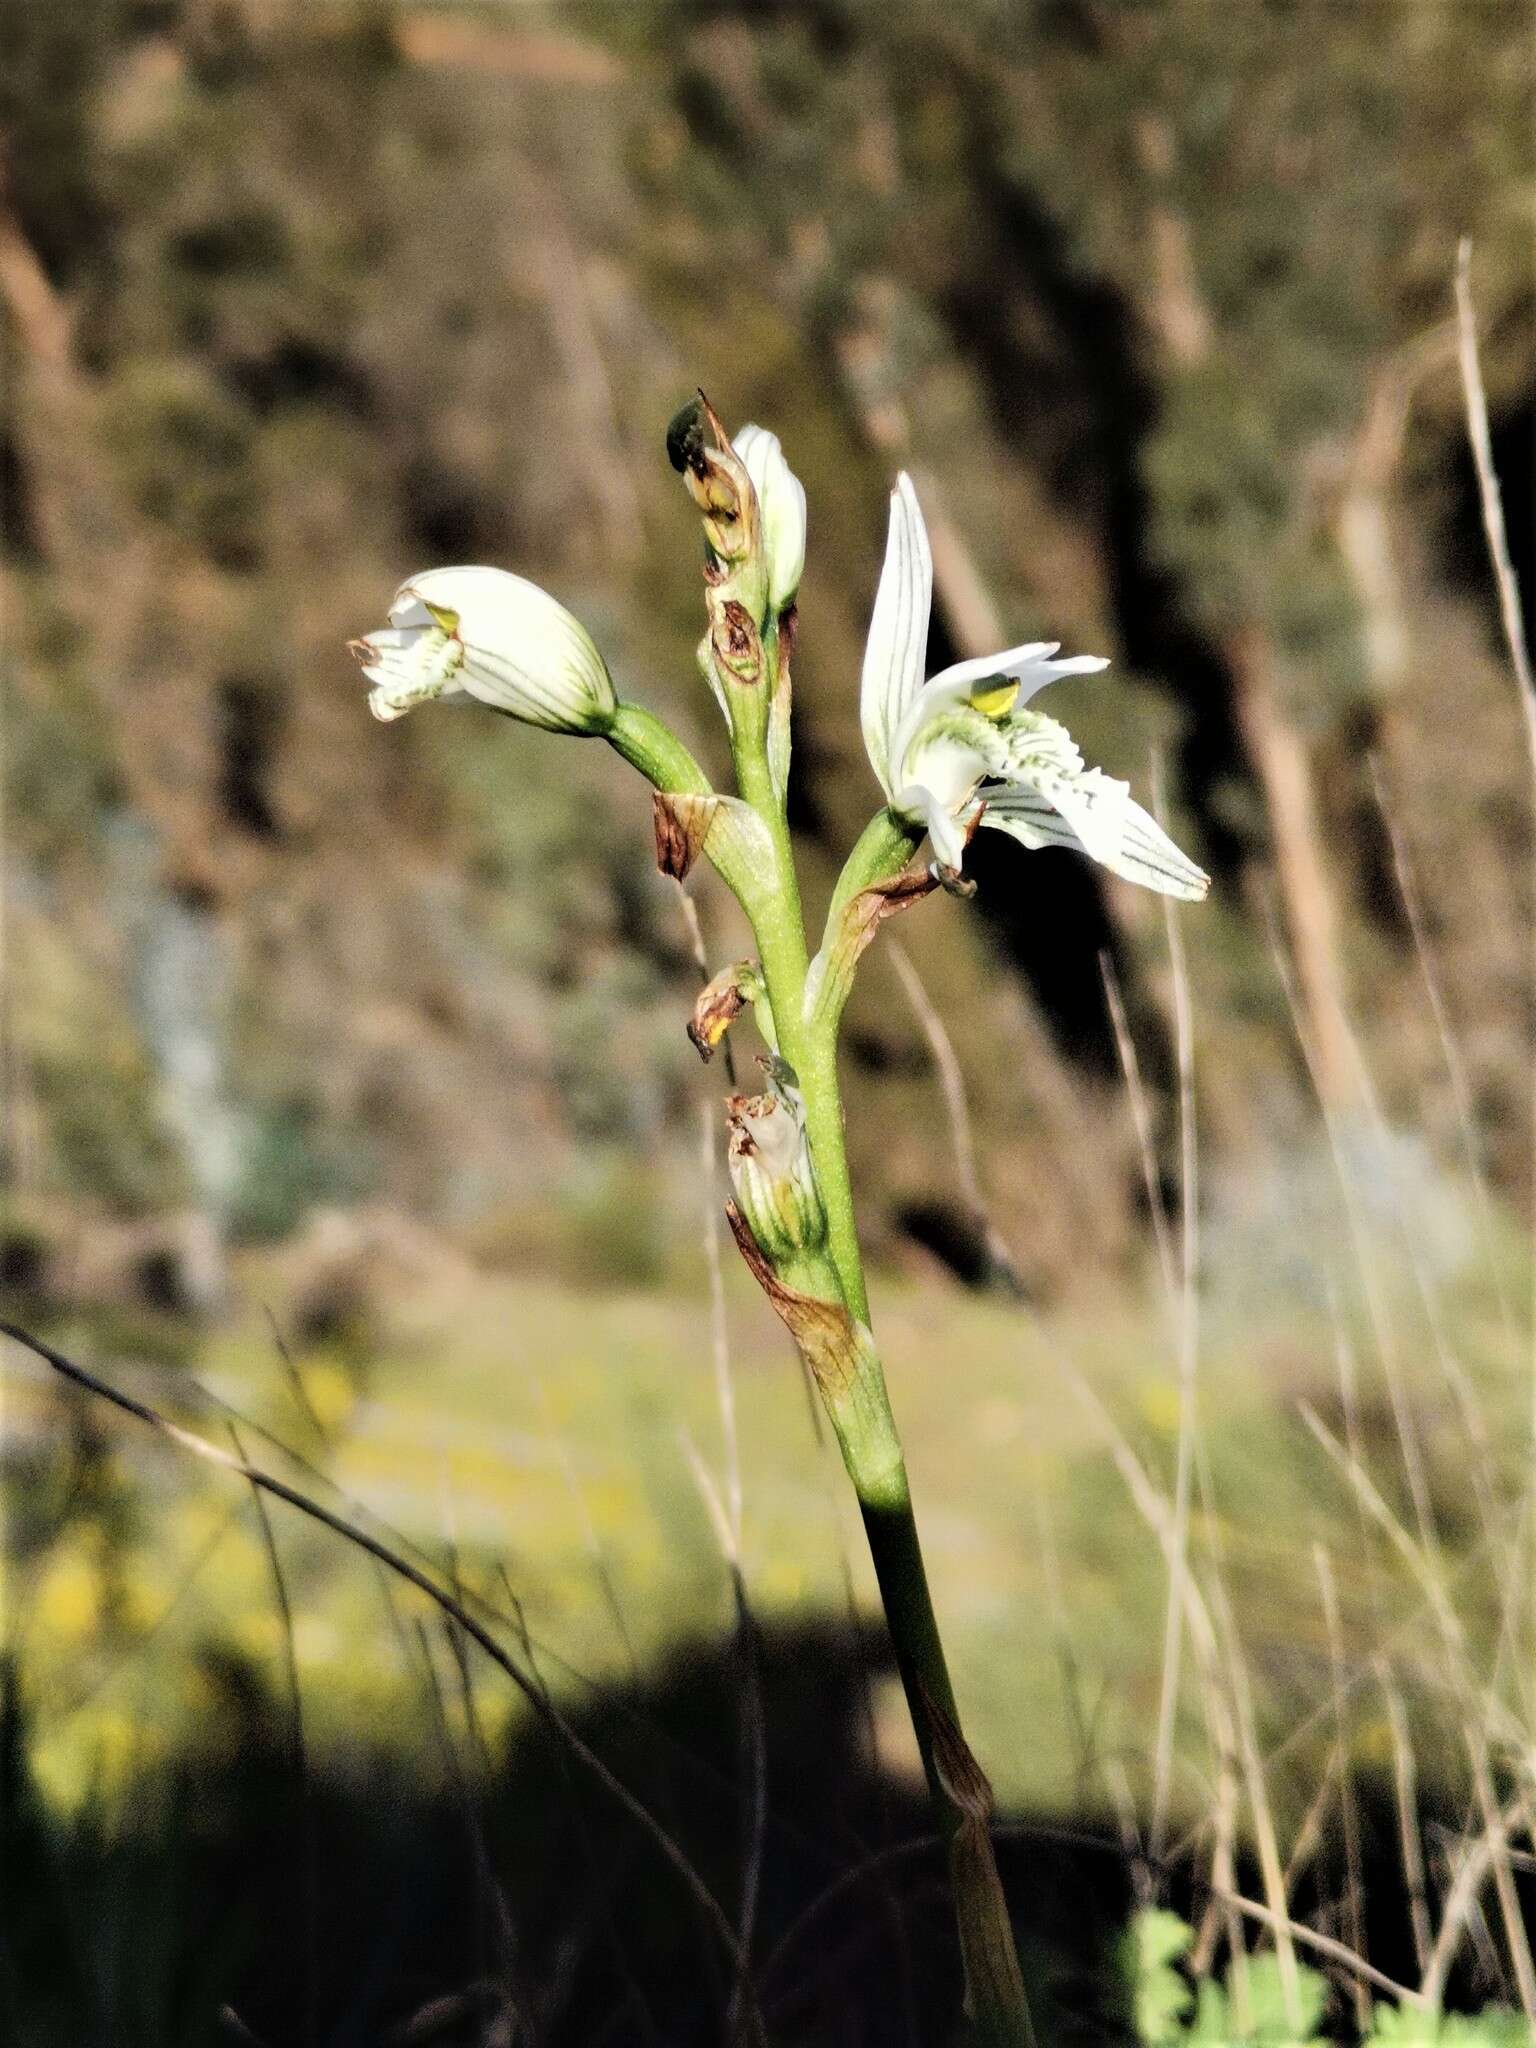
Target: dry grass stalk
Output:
[
  {"x": 1141, "y": 1122},
  {"x": 1513, "y": 622},
  {"x": 1188, "y": 1357},
  {"x": 1349, "y": 1817},
  {"x": 1405, "y": 1785},
  {"x": 952, "y": 1085}
]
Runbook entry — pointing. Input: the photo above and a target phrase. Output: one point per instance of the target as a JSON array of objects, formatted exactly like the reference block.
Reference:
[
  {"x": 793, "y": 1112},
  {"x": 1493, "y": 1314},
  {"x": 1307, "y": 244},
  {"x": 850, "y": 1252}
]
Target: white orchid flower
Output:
[
  {"x": 486, "y": 634},
  {"x": 962, "y": 749},
  {"x": 781, "y": 499}
]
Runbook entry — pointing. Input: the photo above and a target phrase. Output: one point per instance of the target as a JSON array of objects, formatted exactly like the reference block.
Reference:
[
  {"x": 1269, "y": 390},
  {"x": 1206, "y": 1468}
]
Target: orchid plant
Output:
[{"x": 953, "y": 753}]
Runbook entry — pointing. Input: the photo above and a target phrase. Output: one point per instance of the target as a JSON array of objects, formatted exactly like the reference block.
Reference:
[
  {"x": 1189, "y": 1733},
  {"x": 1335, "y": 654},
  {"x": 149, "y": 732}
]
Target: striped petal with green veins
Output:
[
  {"x": 455, "y": 634},
  {"x": 962, "y": 749}
]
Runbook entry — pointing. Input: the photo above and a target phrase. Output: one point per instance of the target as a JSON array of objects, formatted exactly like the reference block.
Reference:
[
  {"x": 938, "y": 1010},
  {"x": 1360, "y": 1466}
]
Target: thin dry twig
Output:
[
  {"x": 1405, "y": 1786},
  {"x": 962, "y": 1135},
  {"x": 1513, "y": 622},
  {"x": 1483, "y": 1856},
  {"x": 1157, "y": 1512},
  {"x": 602, "y": 1572},
  {"x": 1370, "y": 1283},
  {"x": 1326, "y": 1945},
  {"x": 1255, "y": 1784},
  {"x": 300, "y": 1756},
  {"x": 1308, "y": 1837},
  {"x": 1349, "y": 1816},
  {"x": 1481, "y": 1713},
  {"x": 1141, "y": 1120},
  {"x": 1189, "y": 1349},
  {"x": 719, "y": 1326},
  {"x": 1439, "y": 1010},
  {"x": 1490, "y": 498},
  {"x": 726, "y": 1509}
]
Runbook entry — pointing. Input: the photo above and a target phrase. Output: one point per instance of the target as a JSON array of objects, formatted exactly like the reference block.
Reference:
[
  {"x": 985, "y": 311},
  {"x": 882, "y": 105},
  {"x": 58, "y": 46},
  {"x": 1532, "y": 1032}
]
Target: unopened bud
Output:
[
  {"x": 771, "y": 1170},
  {"x": 781, "y": 511},
  {"x": 493, "y": 636}
]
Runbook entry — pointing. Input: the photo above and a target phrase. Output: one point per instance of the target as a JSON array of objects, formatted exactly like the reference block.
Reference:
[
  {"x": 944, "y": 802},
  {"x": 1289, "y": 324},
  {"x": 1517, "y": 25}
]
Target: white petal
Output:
[
  {"x": 1029, "y": 665},
  {"x": 896, "y": 650},
  {"x": 956, "y": 685},
  {"x": 946, "y": 831},
  {"x": 947, "y": 769},
  {"x": 1097, "y": 815},
  {"x": 449, "y": 589},
  {"x": 995, "y": 664},
  {"x": 523, "y": 652},
  {"x": 781, "y": 500}
]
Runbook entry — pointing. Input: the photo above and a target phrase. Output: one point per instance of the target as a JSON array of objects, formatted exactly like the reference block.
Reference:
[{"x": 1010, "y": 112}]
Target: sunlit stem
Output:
[
  {"x": 860, "y": 1411},
  {"x": 652, "y": 747},
  {"x": 861, "y": 1414}
]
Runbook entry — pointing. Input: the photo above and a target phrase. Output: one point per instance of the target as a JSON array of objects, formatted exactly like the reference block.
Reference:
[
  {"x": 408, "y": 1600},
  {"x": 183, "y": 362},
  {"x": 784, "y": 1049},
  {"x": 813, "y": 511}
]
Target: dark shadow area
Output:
[
  {"x": 449, "y": 522},
  {"x": 509, "y": 1899},
  {"x": 19, "y": 536},
  {"x": 246, "y": 720},
  {"x": 1464, "y": 548},
  {"x": 1074, "y": 395},
  {"x": 459, "y": 1892},
  {"x": 302, "y": 372},
  {"x": 958, "y": 1240}
]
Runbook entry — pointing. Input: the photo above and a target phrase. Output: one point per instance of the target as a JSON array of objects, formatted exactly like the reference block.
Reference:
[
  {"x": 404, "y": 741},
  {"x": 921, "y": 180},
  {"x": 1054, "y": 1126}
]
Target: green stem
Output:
[
  {"x": 871, "y": 1447},
  {"x": 870, "y": 1441},
  {"x": 653, "y": 748},
  {"x": 860, "y": 1411},
  {"x": 882, "y": 849}
]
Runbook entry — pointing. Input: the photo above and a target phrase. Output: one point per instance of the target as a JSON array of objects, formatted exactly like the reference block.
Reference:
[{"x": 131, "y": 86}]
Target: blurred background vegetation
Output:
[{"x": 344, "y": 1080}]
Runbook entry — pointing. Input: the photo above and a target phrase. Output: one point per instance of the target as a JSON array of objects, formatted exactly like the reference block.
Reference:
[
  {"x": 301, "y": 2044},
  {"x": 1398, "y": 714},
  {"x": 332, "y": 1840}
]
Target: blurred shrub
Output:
[
  {"x": 55, "y": 58},
  {"x": 183, "y": 448},
  {"x": 291, "y": 1164},
  {"x": 614, "y": 1225},
  {"x": 1172, "y": 2013}
]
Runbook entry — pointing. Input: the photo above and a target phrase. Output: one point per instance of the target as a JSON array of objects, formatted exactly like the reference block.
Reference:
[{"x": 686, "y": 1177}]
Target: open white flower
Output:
[
  {"x": 487, "y": 634},
  {"x": 962, "y": 749}
]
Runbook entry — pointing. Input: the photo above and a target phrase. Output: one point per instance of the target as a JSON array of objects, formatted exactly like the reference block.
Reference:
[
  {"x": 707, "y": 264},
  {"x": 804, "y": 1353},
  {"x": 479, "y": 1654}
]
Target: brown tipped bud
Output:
[
  {"x": 681, "y": 825},
  {"x": 720, "y": 485},
  {"x": 771, "y": 1169},
  {"x": 737, "y": 646},
  {"x": 721, "y": 1003},
  {"x": 833, "y": 1345}
]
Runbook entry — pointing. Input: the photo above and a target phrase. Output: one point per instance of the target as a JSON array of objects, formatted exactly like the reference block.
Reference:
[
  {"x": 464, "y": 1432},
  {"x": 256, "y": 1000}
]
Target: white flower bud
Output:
[
  {"x": 492, "y": 636},
  {"x": 781, "y": 497}
]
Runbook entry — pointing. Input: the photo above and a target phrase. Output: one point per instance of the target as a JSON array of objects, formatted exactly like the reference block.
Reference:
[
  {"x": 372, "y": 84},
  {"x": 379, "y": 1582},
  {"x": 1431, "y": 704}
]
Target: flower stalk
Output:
[
  {"x": 821, "y": 1294},
  {"x": 955, "y": 752}
]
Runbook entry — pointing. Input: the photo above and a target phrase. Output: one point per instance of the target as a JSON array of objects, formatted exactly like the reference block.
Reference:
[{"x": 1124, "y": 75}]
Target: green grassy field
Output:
[{"x": 551, "y": 1444}]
